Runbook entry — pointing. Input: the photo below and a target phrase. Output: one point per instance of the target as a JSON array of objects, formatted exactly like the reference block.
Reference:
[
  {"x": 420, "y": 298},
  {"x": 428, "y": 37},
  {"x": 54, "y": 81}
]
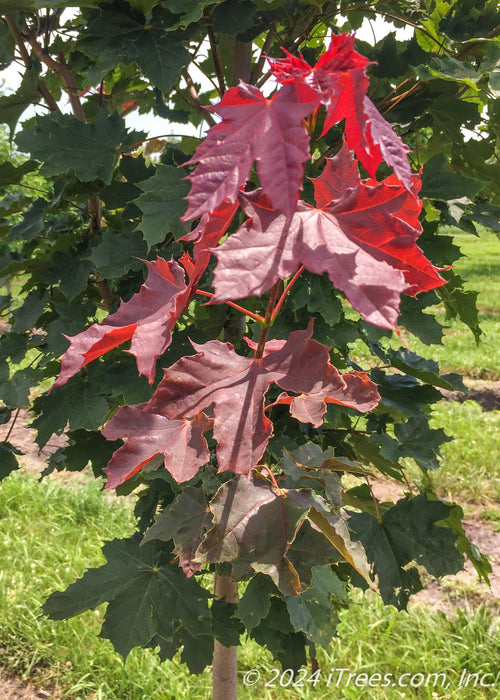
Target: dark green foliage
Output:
[{"x": 407, "y": 532}]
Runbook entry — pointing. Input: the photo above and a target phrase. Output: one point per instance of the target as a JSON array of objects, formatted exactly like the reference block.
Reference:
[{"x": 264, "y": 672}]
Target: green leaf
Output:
[
  {"x": 7, "y": 43},
  {"x": 163, "y": 204},
  {"x": 5, "y": 413},
  {"x": 15, "y": 392},
  {"x": 63, "y": 144},
  {"x": 43, "y": 4},
  {"x": 255, "y": 603},
  {"x": 146, "y": 595},
  {"x": 448, "y": 68},
  {"x": 464, "y": 545},
  {"x": 185, "y": 521},
  {"x": 74, "y": 274},
  {"x": 396, "y": 584},
  {"x": 312, "y": 612},
  {"x": 26, "y": 316},
  {"x": 317, "y": 294},
  {"x": 11, "y": 174},
  {"x": 420, "y": 442},
  {"x": 13, "y": 106},
  {"x": 84, "y": 447},
  {"x": 17, "y": 6},
  {"x": 407, "y": 532},
  {"x": 403, "y": 393},
  {"x": 425, "y": 370},
  {"x": 310, "y": 549},
  {"x": 425, "y": 326},
  {"x": 32, "y": 222},
  {"x": 119, "y": 194},
  {"x": 117, "y": 253},
  {"x": 276, "y": 632},
  {"x": 438, "y": 183},
  {"x": 8, "y": 461},
  {"x": 59, "y": 407},
  {"x": 190, "y": 10},
  {"x": 226, "y": 626},
  {"x": 460, "y": 303},
  {"x": 377, "y": 450},
  {"x": 197, "y": 652},
  {"x": 116, "y": 37}
]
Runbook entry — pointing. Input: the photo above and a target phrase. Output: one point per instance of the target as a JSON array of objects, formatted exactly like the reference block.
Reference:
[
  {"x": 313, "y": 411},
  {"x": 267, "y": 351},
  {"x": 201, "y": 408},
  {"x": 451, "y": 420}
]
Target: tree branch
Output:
[
  {"x": 242, "y": 62},
  {"x": 42, "y": 88},
  {"x": 215, "y": 52},
  {"x": 194, "y": 100},
  {"x": 257, "y": 70}
]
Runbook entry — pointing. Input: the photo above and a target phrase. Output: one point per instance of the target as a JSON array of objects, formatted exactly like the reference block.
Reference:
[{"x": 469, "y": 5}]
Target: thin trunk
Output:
[{"x": 225, "y": 660}]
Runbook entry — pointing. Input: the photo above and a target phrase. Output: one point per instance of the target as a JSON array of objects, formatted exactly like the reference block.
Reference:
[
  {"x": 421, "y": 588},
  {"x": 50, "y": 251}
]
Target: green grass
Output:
[
  {"x": 459, "y": 352},
  {"x": 51, "y": 532},
  {"x": 471, "y": 461}
]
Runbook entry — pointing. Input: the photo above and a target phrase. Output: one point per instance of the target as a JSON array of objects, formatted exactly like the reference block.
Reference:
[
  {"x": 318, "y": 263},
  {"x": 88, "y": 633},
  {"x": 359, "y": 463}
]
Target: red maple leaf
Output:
[
  {"x": 382, "y": 217},
  {"x": 340, "y": 80},
  {"x": 269, "y": 247},
  {"x": 147, "y": 319},
  {"x": 362, "y": 234},
  {"x": 236, "y": 386},
  {"x": 270, "y": 132},
  {"x": 181, "y": 443},
  {"x": 358, "y": 392}
]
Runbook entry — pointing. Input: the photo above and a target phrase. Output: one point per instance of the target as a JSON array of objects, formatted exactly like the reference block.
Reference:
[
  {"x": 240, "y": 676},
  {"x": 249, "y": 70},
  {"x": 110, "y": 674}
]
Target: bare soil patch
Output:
[
  {"x": 11, "y": 688},
  {"x": 485, "y": 393}
]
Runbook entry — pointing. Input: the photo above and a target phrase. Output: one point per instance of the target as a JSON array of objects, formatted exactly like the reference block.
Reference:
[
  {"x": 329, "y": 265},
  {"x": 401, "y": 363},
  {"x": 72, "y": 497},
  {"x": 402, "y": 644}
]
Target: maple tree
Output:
[{"x": 240, "y": 268}]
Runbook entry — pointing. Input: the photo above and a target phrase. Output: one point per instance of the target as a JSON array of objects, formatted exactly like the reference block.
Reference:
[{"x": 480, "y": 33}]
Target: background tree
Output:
[{"x": 114, "y": 198}]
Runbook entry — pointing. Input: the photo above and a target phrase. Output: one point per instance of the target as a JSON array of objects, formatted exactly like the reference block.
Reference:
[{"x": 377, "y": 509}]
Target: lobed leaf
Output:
[
  {"x": 236, "y": 386},
  {"x": 147, "y": 319},
  {"x": 181, "y": 443},
  {"x": 252, "y": 128}
]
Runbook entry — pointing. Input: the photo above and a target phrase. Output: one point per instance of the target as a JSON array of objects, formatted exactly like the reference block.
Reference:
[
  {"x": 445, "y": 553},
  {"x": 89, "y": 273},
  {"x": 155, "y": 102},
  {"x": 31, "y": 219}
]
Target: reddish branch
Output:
[{"x": 246, "y": 312}]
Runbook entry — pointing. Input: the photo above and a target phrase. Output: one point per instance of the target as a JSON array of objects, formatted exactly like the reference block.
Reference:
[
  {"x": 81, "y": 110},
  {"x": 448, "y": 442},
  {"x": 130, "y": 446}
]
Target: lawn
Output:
[{"x": 52, "y": 531}]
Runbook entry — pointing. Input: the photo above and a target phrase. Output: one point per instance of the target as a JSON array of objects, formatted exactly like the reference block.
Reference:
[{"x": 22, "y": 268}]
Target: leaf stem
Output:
[
  {"x": 11, "y": 427},
  {"x": 268, "y": 319},
  {"x": 282, "y": 298},
  {"x": 406, "y": 480},
  {"x": 375, "y": 502},
  {"x": 246, "y": 312}
]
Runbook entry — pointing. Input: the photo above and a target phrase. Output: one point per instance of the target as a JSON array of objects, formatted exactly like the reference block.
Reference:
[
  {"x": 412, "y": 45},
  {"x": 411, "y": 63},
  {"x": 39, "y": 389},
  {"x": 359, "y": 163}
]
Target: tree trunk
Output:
[{"x": 225, "y": 660}]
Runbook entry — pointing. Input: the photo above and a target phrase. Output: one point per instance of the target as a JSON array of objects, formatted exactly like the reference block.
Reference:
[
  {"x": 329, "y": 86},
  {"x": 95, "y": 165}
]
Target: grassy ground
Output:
[
  {"x": 480, "y": 266},
  {"x": 52, "y": 532}
]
